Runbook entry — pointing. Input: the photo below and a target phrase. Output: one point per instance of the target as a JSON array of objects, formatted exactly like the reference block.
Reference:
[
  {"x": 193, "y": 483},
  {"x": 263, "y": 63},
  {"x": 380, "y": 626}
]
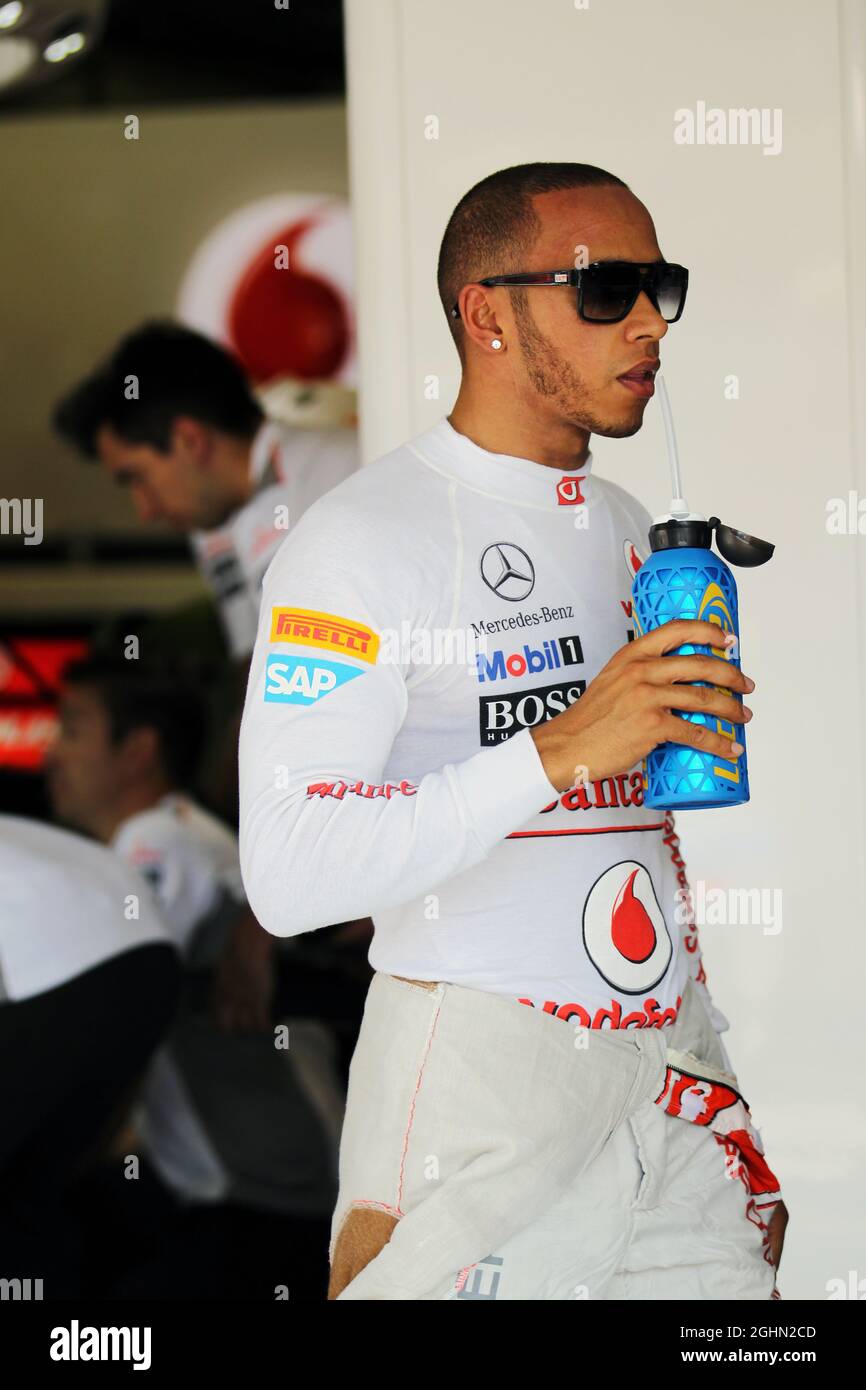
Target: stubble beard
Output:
[{"x": 556, "y": 381}]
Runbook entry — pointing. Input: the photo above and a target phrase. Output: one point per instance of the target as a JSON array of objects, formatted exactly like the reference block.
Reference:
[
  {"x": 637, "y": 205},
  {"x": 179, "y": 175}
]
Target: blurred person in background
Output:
[
  {"x": 241, "y": 1133},
  {"x": 88, "y": 987},
  {"x": 172, "y": 417}
]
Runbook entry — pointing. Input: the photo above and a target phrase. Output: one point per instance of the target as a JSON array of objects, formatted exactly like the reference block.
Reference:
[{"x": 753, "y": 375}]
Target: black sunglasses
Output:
[{"x": 607, "y": 290}]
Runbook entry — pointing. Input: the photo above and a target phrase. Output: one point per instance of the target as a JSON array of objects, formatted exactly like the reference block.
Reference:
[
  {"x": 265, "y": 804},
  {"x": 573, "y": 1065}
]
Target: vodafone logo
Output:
[
  {"x": 273, "y": 282},
  {"x": 624, "y": 929},
  {"x": 568, "y": 493},
  {"x": 633, "y": 558}
]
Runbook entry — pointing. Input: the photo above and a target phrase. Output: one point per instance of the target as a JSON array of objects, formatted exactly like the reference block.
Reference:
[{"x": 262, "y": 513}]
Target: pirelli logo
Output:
[{"x": 311, "y": 629}]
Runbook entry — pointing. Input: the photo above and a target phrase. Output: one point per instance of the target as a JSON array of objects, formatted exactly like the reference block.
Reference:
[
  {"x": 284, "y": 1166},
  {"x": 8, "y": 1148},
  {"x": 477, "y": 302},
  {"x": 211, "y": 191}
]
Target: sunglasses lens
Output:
[
  {"x": 670, "y": 289},
  {"x": 608, "y": 292}
]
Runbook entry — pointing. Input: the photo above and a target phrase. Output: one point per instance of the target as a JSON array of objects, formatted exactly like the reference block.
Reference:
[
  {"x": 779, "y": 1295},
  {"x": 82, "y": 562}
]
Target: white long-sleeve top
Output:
[{"x": 385, "y": 772}]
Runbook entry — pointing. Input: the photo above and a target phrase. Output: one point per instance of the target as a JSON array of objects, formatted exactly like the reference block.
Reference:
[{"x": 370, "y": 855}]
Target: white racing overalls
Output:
[{"x": 512, "y": 1156}]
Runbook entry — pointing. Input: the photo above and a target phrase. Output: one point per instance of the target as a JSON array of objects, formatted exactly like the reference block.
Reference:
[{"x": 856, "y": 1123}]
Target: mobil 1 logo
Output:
[{"x": 501, "y": 716}]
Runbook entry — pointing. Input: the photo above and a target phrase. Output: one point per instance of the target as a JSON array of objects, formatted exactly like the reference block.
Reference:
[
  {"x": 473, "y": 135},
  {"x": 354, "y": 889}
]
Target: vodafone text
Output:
[{"x": 648, "y": 1016}]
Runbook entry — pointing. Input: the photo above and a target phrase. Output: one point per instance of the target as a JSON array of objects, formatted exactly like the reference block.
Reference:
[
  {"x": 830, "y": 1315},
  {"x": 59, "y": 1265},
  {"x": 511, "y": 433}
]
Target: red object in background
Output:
[
  {"x": 31, "y": 670},
  {"x": 287, "y": 322}
]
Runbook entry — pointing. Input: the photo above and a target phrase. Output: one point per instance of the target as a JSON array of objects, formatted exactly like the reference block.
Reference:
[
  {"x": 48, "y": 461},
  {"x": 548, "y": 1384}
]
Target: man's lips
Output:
[
  {"x": 640, "y": 379},
  {"x": 639, "y": 387}
]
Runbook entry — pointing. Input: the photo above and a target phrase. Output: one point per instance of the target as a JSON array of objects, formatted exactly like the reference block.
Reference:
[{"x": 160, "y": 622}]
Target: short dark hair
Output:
[
  {"x": 494, "y": 226},
  {"x": 178, "y": 372},
  {"x": 137, "y": 697}
]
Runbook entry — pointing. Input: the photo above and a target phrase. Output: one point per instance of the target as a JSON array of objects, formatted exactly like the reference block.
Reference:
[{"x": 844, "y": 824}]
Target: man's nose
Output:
[{"x": 646, "y": 319}]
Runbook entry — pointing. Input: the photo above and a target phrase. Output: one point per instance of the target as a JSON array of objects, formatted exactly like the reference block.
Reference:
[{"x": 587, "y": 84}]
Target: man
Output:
[
  {"x": 88, "y": 987},
  {"x": 128, "y": 742},
  {"x": 230, "y": 1122},
  {"x": 172, "y": 417},
  {"x": 489, "y": 813}
]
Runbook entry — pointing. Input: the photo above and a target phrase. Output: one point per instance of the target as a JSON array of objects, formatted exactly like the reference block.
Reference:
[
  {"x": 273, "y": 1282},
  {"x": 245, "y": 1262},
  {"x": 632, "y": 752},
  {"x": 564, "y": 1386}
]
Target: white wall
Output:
[{"x": 765, "y": 239}]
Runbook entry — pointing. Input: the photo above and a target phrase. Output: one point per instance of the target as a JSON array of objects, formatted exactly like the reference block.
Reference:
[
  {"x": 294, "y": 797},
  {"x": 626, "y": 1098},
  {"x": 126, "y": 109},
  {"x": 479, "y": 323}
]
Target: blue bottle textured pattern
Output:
[{"x": 691, "y": 583}]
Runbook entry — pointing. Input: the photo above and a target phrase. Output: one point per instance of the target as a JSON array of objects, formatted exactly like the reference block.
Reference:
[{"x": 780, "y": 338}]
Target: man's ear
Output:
[
  {"x": 141, "y": 751},
  {"x": 480, "y": 320}
]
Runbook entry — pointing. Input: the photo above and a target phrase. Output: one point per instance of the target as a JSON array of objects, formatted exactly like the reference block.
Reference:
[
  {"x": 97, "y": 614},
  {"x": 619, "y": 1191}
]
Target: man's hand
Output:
[
  {"x": 626, "y": 711},
  {"x": 243, "y": 988},
  {"x": 778, "y": 1222}
]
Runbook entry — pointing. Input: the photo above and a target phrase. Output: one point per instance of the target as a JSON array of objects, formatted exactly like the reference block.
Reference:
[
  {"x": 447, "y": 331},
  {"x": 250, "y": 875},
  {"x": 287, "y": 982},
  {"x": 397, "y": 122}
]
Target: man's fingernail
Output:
[
  {"x": 730, "y": 639},
  {"x": 737, "y": 749}
]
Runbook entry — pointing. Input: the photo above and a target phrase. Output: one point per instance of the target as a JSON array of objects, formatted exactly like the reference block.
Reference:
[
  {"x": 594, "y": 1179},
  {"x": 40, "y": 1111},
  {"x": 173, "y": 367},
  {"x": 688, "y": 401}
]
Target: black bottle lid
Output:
[{"x": 737, "y": 547}]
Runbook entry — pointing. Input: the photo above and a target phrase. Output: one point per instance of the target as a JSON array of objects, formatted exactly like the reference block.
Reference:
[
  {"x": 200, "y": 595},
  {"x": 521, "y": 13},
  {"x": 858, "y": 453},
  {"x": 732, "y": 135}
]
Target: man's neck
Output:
[
  {"x": 511, "y": 430},
  {"x": 140, "y": 798}
]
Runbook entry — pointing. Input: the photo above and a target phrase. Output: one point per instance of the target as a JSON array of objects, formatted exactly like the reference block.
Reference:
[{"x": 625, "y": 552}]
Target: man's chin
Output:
[
  {"x": 621, "y": 430},
  {"x": 611, "y": 428},
  {"x": 206, "y": 521},
  {"x": 66, "y": 815},
  {"x": 610, "y": 422},
  {"x": 622, "y": 423},
  {"x": 182, "y": 524}
]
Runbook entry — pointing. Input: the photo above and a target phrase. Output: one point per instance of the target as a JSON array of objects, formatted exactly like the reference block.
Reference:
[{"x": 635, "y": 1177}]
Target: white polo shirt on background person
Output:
[
  {"x": 190, "y": 858},
  {"x": 290, "y": 469},
  {"x": 67, "y": 905}
]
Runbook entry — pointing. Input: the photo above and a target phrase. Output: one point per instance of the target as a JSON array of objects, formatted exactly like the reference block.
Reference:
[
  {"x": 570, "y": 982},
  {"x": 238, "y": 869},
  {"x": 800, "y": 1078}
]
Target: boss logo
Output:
[{"x": 501, "y": 716}]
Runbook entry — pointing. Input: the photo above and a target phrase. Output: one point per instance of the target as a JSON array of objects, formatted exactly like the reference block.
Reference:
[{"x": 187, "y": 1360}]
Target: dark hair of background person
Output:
[
  {"x": 137, "y": 697},
  {"x": 176, "y": 371},
  {"x": 494, "y": 227}
]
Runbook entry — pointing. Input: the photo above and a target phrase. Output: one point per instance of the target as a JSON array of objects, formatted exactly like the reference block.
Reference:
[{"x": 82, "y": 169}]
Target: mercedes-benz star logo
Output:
[{"x": 508, "y": 571}]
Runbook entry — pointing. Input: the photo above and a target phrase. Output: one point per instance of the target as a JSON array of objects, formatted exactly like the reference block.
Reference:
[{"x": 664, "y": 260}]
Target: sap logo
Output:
[
  {"x": 561, "y": 651},
  {"x": 505, "y": 715},
  {"x": 303, "y": 680}
]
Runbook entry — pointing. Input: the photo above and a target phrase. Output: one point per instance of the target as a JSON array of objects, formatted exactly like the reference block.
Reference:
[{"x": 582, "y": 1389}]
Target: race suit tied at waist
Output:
[
  {"x": 706, "y": 1094},
  {"x": 509, "y": 1104}
]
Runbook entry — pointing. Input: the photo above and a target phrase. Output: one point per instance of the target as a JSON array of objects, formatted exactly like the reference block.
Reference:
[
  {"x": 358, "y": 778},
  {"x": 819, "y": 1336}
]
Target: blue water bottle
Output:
[{"x": 684, "y": 578}]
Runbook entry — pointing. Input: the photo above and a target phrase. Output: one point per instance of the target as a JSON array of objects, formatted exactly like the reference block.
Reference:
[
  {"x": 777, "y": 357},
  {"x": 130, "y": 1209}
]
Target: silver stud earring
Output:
[{"x": 496, "y": 342}]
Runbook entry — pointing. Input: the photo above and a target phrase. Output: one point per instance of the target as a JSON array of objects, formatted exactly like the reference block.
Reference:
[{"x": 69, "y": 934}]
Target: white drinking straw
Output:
[{"x": 678, "y": 502}]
